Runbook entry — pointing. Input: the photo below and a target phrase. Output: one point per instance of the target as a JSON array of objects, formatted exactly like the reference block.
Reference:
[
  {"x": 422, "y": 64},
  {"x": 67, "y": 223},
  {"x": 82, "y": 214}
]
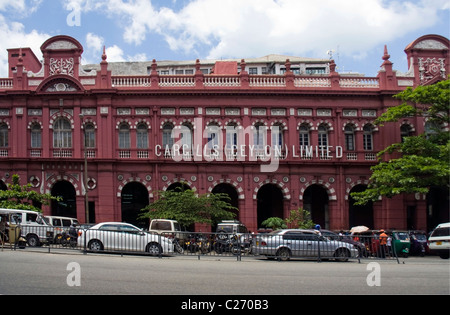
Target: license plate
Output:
[{"x": 438, "y": 243}]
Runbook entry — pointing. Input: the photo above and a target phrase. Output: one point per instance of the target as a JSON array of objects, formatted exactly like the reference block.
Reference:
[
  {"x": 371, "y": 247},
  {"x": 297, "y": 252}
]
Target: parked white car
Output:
[
  {"x": 117, "y": 236},
  {"x": 439, "y": 240}
]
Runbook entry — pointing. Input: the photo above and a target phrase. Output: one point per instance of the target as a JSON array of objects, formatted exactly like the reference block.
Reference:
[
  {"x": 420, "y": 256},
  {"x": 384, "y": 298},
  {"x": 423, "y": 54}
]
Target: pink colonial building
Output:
[{"x": 275, "y": 133}]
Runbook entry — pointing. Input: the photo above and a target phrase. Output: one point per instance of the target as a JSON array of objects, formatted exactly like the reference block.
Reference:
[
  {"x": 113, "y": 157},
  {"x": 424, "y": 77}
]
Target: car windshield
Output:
[
  {"x": 444, "y": 231},
  {"x": 420, "y": 237}
]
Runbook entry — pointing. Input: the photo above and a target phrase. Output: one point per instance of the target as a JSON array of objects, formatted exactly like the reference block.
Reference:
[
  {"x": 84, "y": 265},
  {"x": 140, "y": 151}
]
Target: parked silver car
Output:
[
  {"x": 116, "y": 236},
  {"x": 288, "y": 243}
]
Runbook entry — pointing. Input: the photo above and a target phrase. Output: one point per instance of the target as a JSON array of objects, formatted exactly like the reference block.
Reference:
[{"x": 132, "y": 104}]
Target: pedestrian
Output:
[
  {"x": 383, "y": 242},
  {"x": 389, "y": 245}
]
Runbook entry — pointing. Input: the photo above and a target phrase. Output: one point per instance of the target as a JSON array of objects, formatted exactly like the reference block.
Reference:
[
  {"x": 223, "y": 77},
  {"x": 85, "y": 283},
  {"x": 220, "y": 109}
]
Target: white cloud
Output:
[
  {"x": 13, "y": 35},
  {"x": 239, "y": 28}
]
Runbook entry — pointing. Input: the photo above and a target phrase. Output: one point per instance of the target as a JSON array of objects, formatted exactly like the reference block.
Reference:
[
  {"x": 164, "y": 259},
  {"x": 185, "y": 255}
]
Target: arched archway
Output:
[
  {"x": 134, "y": 198},
  {"x": 359, "y": 215},
  {"x": 269, "y": 203},
  {"x": 315, "y": 200},
  {"x": 231, "y": 192},
  {"x": 67, "y": 206}
]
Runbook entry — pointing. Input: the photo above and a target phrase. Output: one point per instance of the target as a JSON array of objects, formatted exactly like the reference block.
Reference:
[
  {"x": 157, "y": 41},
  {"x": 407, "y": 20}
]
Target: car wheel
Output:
[
  {"x": 33, "y": 241},
  {"x": 284, "y": 254},
  {"x": 95, "y": 246},
  {"x": 342, "y": 254},
  {"x": 154, "y": 249}
]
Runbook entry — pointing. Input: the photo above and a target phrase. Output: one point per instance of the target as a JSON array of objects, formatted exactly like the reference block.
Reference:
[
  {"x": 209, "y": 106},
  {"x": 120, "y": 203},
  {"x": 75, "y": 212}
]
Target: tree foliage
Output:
[
  {"x": 298, "y": 219},
  {"x": 23, "y": 196},
  {"x": 424, "y": 159},
  {"x": 274, "y": 223},
  {"x": 188, "y": 208}
]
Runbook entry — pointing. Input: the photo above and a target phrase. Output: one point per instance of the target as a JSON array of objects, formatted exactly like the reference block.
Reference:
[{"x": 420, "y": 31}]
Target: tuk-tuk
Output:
[
  {"x": 9, "y": 232},
  {"x": 400, "y": 243},
  {"x": 419, "y": 243}
]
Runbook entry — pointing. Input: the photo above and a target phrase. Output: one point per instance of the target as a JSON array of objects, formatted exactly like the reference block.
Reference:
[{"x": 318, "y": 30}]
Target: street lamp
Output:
[{"x": 86, "y": 199}]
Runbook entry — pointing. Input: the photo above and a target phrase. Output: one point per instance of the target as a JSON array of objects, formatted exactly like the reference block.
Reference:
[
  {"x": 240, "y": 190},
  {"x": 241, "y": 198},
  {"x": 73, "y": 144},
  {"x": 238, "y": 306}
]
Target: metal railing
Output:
[{"x": 200, "y": 244}]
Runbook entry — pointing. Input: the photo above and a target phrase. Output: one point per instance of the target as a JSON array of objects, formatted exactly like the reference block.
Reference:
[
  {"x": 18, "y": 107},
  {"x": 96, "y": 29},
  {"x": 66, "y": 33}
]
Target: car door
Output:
[
  {"x": 293, "y": 240},
  {"x": 309, "y": 242},
  {"x": 132, "y": 238}
]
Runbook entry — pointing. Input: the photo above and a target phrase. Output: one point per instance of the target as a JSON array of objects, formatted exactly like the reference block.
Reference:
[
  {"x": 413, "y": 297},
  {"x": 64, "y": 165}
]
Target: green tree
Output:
[
  {"x": 23, "y": 196},
  {"x": 188, "y": 208},
  {"x": 424, "y": 159}
]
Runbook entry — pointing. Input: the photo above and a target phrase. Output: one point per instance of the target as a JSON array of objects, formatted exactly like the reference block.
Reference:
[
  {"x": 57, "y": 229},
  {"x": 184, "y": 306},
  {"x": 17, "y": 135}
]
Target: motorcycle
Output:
[
  {"x": 227, "y": 243},
  {"x": 177, "y": 246},
  {"x": 68, "y": 238}
]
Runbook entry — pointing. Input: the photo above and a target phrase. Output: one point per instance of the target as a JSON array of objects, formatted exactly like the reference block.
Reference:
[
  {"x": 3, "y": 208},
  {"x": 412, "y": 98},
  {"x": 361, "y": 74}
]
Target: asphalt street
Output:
[{"x": 41, "y": 273}]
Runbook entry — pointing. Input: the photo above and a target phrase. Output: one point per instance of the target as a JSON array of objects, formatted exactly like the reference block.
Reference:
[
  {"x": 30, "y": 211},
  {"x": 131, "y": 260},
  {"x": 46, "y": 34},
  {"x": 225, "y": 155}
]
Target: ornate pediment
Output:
[{"x": 60, "y": 84}]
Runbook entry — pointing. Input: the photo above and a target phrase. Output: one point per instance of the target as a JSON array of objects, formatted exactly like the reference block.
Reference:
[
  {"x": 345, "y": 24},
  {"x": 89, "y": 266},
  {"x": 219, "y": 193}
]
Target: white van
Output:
[
  {"x": 61, "y": 222},
  {"x": 35, "y": 228},
  {"x": 439, "y": 240}
]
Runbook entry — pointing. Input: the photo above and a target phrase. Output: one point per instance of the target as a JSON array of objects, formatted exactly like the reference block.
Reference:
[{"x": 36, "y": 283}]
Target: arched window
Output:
[
  {"x": 167, "y": 139},
  {"x": 124, "y": 136},
  {"x": 62, "y": 133},
  {"x": 322, "y": 132},
  {"x": 304, "y": 135},
  {"x": 142, "y": 136},
  {"x": 349, "y": 132},
  {"x": 89, "y": 136},
  {"x": 368, "y": 137},
  {"x": 36, "y": 136}
]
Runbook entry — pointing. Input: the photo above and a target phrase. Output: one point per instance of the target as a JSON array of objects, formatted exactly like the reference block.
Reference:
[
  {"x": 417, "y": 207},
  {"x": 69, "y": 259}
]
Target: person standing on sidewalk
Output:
[{"x": 383, "y": 242}]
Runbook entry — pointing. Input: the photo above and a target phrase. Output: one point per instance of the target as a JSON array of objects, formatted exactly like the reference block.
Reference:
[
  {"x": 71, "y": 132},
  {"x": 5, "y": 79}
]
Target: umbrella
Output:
[{"x": 359, "y": 229}]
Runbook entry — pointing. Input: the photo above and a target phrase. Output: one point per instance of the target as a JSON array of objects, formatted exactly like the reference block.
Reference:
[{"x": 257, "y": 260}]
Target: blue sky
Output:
[{"x": 356, "y": 30}]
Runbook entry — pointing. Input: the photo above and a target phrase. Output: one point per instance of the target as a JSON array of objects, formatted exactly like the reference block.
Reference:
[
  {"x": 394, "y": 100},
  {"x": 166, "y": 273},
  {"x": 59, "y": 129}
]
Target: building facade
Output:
[{"x": 275, "y": 133}]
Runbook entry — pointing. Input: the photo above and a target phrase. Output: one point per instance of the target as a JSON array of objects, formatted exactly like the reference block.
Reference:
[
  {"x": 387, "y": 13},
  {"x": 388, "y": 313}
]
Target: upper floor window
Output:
[
  {"x": 36, "y": 136},
  {"x": 142, "y": 136},
  {"x": 304, "y": 135},
  {"x": 259, "y": 136},
  {"x": 405, "y": 131},
  {"x": 232, "y": 136},
  {"x": 349, "y": 132},
  {"x": 4, "y": 141},
  {"x": 124, "y": 136},
  {"x": 368, "y": 137},
  {"x": 213, "y": 136},
  {"x": 62, "y": 133},
  {"x": 167, "y": 138},
  {"x": 186, "y": 137},
  {"x": 277, "y": 135},
  {"x": 322, "y": 133},
  {"x": 89, "y": 136}
]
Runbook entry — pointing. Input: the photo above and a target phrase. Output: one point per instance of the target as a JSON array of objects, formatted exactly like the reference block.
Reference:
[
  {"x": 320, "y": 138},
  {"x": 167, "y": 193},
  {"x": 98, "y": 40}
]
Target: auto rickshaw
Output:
[
  {"x": 10, "y": 232},
  {"x": 419, "y": 243},
  {"x": 401, "y": 243}
]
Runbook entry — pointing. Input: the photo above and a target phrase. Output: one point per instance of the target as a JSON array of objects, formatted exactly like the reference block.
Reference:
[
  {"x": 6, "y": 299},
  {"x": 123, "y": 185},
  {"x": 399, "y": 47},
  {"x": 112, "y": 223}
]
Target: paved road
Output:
[{"x": 30, "y": 272}]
